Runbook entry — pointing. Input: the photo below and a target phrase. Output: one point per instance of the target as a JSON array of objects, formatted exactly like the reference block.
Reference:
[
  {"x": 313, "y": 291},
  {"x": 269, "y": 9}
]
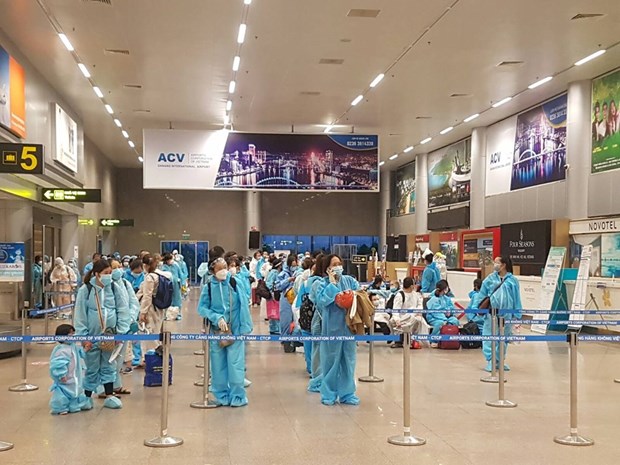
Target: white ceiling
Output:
[{"x": 181, "y": 53}]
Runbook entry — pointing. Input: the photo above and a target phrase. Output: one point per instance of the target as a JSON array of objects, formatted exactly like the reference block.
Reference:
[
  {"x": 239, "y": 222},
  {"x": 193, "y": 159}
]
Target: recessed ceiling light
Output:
[
  {"x": 84, "y": 70},
  {"x": 241, "y": 35},
  {"x": 125, "y": 134},
  {"x": 394, "y": 157},
  {"x": 540, "y": 82},
  {"x": 98, "y": 91},
  {"x": 426, "y": 141},
  {"x": 229, "y": 105},
  {"x": 109, "y": 109},
  {"x": 501, "y": 102},
  {"x": 331, "y": 61},
  {"x": 447, "y": 130},
  {"x": 590, "y": 57},
  {"x": 357, "y": 100},
  {"x": 141, "y": 160},
  {"x": 118, "y": 123},
  {"x": 377, "y": 80},
  {"x": 381, "y": 163},
  {"x": 236, "y": 63},
  {"x": 471, "y": 118},
  {"x": 64, "y": 39},
  {"x": 408, "y": 149},
  {"x": 131, "y": 144},
  {"x": 231, "y": 87}
]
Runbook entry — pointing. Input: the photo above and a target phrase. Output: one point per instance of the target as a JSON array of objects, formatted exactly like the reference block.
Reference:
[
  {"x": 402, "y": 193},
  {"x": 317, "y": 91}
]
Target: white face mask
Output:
[
  {"x": 497, "y": 266},
  {"x": 233, "y": 271},
  {"x": 221, "y": 275}
]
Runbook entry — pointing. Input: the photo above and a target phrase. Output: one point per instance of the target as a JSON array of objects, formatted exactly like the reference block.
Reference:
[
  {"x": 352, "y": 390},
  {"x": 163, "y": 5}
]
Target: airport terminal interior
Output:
[{"x": 282, "y": 232}]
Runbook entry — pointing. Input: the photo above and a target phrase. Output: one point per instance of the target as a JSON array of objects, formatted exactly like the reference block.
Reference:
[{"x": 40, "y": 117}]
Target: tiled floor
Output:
[{"x": 286, "y": 425}]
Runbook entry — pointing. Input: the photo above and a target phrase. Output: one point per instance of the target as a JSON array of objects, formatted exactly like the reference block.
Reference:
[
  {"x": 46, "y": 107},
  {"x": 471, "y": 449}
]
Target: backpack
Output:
[
  {"x": 390, "y": 302},
  {"x": 470, "y": 329},
  {"x": 163, "y": 297},
  {"x": 262, "y": 290},
  {"x": 306, "y": 312}
]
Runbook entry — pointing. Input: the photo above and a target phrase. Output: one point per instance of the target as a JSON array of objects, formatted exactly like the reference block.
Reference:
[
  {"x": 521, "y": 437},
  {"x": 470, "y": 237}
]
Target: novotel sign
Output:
[{"x": 596, "y": 226}]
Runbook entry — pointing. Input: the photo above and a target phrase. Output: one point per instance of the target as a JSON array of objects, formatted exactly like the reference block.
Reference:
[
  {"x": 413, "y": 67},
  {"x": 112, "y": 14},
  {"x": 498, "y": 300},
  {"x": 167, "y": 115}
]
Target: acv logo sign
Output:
[
  {"x": 496, "y": 158},
  {"x": 171, "y": 158}
]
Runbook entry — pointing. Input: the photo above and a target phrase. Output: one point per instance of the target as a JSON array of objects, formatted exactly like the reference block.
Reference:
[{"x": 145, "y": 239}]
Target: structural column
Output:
[
  {"x": 421, "y": 193},
  {"x": 252, "y": 211},
  {"x": 384, "y": 206},
  {"x": 578, "y": 148},
  {"x": 478, "y": 178}
]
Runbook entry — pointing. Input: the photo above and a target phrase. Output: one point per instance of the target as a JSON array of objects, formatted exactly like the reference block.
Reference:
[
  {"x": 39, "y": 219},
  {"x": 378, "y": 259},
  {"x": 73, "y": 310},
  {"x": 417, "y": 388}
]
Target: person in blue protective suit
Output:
[
  {"x": 430, "y": 276},
  {"x": 274, "y": 321},
  {"x": 135, "y": 277},
  {"x": 441, "y": 301},
  {"x": 100, "y": 300},
  {"x": 89, "y": 265},
  {"x": 503, "y": 289},
  {"x": 224, "y": 302},
  {"x": 337, "y": 357},
  {"x": 284, "y": 283},
  {"x": 302, "y": 287},
  {"x": 37, "y": 281},
  {"x": 67, "y": 372},
  {"x": 174, "y": 269},
  {"x": 179, "y": 260},
  {"x": 473, "y": 296},
  {"x": 316, "y": 375}
]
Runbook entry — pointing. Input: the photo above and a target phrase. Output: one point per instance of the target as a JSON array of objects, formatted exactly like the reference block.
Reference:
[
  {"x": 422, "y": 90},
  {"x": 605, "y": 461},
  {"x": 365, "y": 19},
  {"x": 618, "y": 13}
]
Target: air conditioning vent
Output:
[
  {"x": 345, "y": 41},
  {"x": 142, "y": 111},
  {"x": 132, "y": 86},
  {"x": 103, "y": 2},
  {"x": 460, "y": 95},
  {"x": 423, "y": 117},
  {"x": 362, "y": 13},
  {"x": 312, "y": 93},
  {"x": 115, "y": 51},
  {"x": 586, "y": 16},
  {"x": 510, "y": 64},
  {"x": 331, "y": 61}
]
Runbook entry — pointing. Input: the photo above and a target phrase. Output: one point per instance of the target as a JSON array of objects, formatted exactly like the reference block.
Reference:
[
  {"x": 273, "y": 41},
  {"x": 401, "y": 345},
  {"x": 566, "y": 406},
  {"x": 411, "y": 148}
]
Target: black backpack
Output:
[
  {"x": 390, "y": 302},
  {"x": 306, "y": 312},
  {"x": 163, "y": 297},
  {"x": 470, "y": 329}
]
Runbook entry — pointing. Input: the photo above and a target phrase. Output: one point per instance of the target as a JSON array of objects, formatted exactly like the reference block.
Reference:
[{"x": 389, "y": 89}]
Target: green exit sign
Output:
[
  {"x": 71, "y": 195},
  {"x": 114, "y": 223}
]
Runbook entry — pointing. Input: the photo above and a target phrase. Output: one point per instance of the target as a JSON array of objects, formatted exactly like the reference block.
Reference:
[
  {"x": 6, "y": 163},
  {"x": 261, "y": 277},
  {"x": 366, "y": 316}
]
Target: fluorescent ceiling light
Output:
[
  {"x": 229, "y": 105},
  {"x": 236, "y": 63},
  {"x": 141, "y": 160},
  {"x": 84, "y": 70},
  {"x": 247, "y": 2},
  {"x": 426, "y": 141},
  {"x": 502, "y": 101},
  {"x": 109, "y": 109},
  {"x": 125, "y": 134},
  {"x": 98, "y": 91},
  {"x": 65, "y": 40},
  {"x": 118, "y": 123},
  {"x": 131, "y": 144},
  {"x": 226, "y": 119},
  {"x": 540, "y": 83},
  {"x": 241, "y": 35},
  {"x": 377, "y": 80},
  {"x": 471, "y": 118},
  {"x": 447, "y": 130},
  {"x": 328, "y": 128},
  {"x": 357, "y": 100},
  {"x": 381, "y": 163},
  {"x": 590, "y": 57},
  {"x": 231, "y": 87},
  {"x": 394, "y": 157},
  {"x": 408, "y": 149}
]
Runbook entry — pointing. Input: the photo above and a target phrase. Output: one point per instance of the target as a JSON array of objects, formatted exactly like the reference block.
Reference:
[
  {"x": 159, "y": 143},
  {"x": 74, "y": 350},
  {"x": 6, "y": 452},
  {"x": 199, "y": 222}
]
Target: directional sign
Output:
[
  {"x": 21, "y": 158},
  {"x": 71, "y": 195},
  {"x": 114, "y": 223},
  {"x": 359, "y": 259},
  {"x": 86, "y": 222}
]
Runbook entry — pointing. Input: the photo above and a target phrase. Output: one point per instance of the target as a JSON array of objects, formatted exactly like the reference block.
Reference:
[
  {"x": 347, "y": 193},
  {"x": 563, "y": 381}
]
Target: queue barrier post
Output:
[
  {"x": 371, "y": 378},
  {"x": 406, "y": 439},
  {"x": 205, "y": 402},
  {"x": 493, "y": 378},
  {"x": 5, "y": 446},
  {"x": 164, "y": 440},
  {"x": 24, "y": 386},
  {"x": 501, "y": 402},
  {"x": 573, "y": 439}
]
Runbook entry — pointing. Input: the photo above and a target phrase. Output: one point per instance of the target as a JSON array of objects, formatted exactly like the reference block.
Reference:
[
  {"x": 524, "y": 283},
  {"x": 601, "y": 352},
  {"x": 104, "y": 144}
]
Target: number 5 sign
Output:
[{"x": 21, "y": 158}]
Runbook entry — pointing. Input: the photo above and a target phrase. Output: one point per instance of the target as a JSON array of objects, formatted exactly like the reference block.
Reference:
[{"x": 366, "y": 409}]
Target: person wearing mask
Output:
[
  {"x": 254, "y": 274},
  {"x": 224, "y": 302},
  {"x": 135, "y": 277},
  {"x": 63, "y": 280},
  {"x": 284, "y": 283},
  {"x": 430, "y": 276},
  {"x": 151, "y": 318},
  {"x": 302, "y": 287},
  {"x": 337, "y": 357},
  {"x": 37, "y": 281},
  {"x": 382, "y": 319},
  {"x": 414, "y": 323},
  {"x": 89, "y": 266},
  {"x": 172, "y": 267},
  {"x": 376, "y": 285},
  {"x": 473, "y": 296},
  {"x": 180, "y": 260},
  {"x": 502, "y": 288},
  {"x": 67, "y": 373},
  {"x": 101, "y": 307},
  {"x": 72, "y": 263},
  {"x": 126, "y": 261},
  {"x": 273, "y": 304},
  {"x": 442, "y": 302}
]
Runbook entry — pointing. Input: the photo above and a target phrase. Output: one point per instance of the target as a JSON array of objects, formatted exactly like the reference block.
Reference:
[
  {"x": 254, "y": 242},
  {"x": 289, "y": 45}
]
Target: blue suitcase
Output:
[{"x": 153, "y": 370}]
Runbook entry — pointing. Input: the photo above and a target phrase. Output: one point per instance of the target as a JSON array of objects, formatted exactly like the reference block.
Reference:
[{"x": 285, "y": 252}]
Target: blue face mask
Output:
[
  {"x": 393, "y": 290},
  {"x": 338, "y": 270},
  {"x": 136, "y": 275},
  {"x": 293, "y": 268},
  {"x": 106, "y": 279},
  {"x": 117, "y": 274}
]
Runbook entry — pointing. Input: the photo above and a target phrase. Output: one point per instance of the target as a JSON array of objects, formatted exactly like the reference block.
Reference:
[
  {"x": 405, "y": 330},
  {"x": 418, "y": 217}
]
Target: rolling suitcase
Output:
[
  {"x": 153, "y": 370},
  {"x": 449, "y": 330}
]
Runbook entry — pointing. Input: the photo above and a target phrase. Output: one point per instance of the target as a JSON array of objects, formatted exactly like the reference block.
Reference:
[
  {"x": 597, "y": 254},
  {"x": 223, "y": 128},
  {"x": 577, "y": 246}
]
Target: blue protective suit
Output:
[
  {"x": 283, "y": 284},
  {"x": 439, "y": 319},
  {"x": 507, "y": 297},
  {"x": 184, "y": 270},
  {"x": 87, "y": 268},
  {"x": 67, "y": 372},
  {"x": 430, "y": 276},
  {"x": 270, "y": 281},
  {"x": 478, "y": 319},
  {"x": 227, "y": 363},
  {"x": 175, "y": 271},
  {"x": 304, "y": 290},
  {"x": 116, "y": 315},
  {"x": 337, "y": 357},
  {"x": 135, "y": 281},
  {"x": 37, "y": 284}
]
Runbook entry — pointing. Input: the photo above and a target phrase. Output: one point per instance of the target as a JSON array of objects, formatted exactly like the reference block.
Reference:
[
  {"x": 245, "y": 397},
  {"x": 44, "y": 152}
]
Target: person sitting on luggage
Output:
[
  {"x": 376, "y": 285},
  {"x": 407, "y": 299},
  {"x": 441, "y": 301},
  {"x": 475, "y": 317},
  {"x": 382, "y": 319}
]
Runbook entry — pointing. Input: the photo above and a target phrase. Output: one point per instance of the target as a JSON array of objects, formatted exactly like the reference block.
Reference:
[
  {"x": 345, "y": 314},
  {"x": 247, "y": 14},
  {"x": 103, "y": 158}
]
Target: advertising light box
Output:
[{"x": 12, "y": 95}]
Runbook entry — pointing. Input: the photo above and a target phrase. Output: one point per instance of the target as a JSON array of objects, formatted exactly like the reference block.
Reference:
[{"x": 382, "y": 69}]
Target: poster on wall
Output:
[
  {"x": 12, "y": 95},
  {"x": 528, "y": 149},
  {"x": 404, "y": 190},
  {"x": 66, "y": 152},
  {"x": 12, "y": 261},
  {"x": 451, "y": 250},
  {"x": 606, "y": 123},
  {"x": 610, "y": 255},
  {"x": 526, "y": 243},
  {"x": 175, "y": 159},
  {"x": 477, "y": 253},
  {"x": 449, "y": 175}
]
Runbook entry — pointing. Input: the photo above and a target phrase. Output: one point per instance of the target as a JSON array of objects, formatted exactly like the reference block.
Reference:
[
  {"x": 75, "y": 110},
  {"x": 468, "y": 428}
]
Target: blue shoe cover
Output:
[{"x": 113, "y": 403}]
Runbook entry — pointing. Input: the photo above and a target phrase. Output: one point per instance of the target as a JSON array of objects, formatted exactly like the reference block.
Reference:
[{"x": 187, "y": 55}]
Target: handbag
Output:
[
  {"x": 290, "y": 295},
  {"x": 262, "y": 290},
  {"x": 344, "y": 300},
  {"x": 228, "y": 332},
  {"x": 104, "y": 346},
  {"x": 485, "y": 304}
]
